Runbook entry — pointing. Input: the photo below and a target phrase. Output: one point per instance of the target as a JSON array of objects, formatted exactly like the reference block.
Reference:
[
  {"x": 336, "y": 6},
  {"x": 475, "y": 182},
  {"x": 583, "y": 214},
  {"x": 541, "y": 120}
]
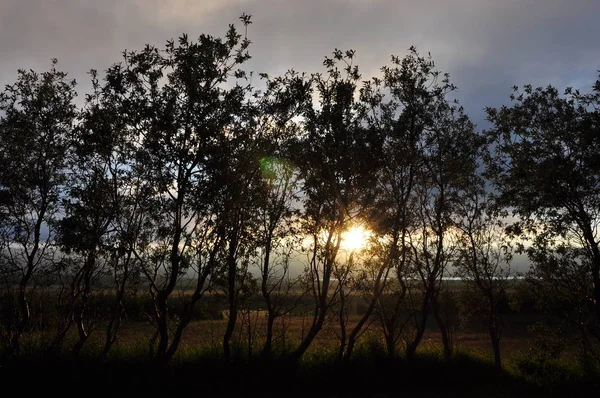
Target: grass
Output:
[
  {"x": 198, "y": 368},
  {"x": 317, "y": 375}
]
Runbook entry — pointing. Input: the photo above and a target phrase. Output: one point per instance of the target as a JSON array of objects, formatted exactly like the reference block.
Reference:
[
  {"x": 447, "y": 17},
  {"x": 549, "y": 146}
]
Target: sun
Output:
[{"x": 355, "y": 238}]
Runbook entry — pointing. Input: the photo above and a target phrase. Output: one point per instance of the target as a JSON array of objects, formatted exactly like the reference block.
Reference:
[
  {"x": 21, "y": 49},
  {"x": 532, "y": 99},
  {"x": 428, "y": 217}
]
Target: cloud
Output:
[{"x": 486, "y": 45}]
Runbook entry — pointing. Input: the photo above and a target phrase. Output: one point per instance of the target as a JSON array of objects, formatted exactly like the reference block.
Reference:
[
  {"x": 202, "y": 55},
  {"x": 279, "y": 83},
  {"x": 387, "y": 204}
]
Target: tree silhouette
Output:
[
  {"x": 37, "y": 115},
  {"x": 181, "y": 116},
  {"x": 285, "y": 99},
  {"x": 427, "y": 151},
  {"x": 485, "y": 254},
  {"x": 179, "y": 177},
  {"x": 333, "y": 172},
  {"x": 544, "y": 166}
]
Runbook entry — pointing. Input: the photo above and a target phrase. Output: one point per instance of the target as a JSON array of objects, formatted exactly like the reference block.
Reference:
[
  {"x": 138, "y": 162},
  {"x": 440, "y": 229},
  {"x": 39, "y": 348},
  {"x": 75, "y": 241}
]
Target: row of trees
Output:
[{"x": 176, "y": 171}]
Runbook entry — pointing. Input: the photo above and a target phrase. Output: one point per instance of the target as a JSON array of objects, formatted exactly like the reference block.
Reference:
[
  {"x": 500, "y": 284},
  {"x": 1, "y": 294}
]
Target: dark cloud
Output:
[{"x": 486, "y": 45}]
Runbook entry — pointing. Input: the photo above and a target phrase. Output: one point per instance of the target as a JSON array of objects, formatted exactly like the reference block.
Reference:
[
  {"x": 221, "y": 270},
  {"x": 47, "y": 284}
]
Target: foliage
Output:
[
  {"x": 544, "y": 166},
  {"x": 179, "y": 192},
  {"x": 37, "y": 115}
]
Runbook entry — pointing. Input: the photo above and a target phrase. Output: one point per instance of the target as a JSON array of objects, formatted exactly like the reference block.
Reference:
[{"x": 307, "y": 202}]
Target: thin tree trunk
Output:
[
  {"x": 80, "y": 311},
  {"x": 232, "y": 298},
  {"x": 162, "y": 296},
  {"x": 320, "y": 309},
  {"x": 342, "y": 321},
  {"x": 495, "y": 338},
  {"x": 310, "y": 336},
  {"x": 161, "y": 326},
  {"x": 268, "y": 346},
  {"x": 411, "y": 349},
  {"x": 114, "y": 322},
  {"x": 378, "y": 291},
  {"x": 267, "y": 350},
  {"x": 24, "y": 312},
  {"x": 444, "y": 330},
  {"x": 188, "y": 310},
  {"x": 389, "y": 336}
]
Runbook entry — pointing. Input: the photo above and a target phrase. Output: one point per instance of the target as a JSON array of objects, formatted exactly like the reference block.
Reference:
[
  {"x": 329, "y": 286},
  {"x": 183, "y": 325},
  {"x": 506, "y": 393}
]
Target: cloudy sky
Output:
[{"x": 487, "y": 46}]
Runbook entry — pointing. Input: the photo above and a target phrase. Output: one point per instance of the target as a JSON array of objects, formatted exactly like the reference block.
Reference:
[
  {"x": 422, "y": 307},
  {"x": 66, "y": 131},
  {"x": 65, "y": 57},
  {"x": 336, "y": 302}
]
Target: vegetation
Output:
[{"x": 184, "y": 225}]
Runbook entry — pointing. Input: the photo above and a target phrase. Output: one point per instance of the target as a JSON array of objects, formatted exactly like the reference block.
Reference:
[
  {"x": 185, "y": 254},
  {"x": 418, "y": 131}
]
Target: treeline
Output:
[{"x": 177, "y": 171}]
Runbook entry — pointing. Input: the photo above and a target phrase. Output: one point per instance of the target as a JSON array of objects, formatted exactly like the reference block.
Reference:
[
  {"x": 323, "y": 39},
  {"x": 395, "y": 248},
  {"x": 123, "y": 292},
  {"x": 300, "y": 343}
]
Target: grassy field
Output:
[
  {"x": 198, "y": 368},
  {"x": 532, "y": 366}
]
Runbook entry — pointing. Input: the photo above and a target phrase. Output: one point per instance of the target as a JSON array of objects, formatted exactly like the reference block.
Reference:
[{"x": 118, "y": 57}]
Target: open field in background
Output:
[
  {"x": 198, "y": 367},
  {"x": 204, "y": 334}
]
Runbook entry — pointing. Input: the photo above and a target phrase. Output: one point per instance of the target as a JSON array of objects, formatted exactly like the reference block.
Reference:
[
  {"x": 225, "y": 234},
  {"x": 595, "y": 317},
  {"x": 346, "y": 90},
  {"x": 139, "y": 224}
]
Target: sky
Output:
[{"x": 487, "y": 46}]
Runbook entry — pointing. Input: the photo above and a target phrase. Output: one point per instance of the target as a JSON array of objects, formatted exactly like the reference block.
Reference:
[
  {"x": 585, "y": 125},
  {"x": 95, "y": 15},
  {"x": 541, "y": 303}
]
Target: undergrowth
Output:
[{"x": 320, "y": 372}]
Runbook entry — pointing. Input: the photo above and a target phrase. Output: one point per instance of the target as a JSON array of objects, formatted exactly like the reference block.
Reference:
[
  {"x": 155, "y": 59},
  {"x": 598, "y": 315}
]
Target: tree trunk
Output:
[
  {"x": 495, "y": 338},
  {"x": 317, "y": 324},
  {"x": 81, "y": 310},
  {"x": 162, "y": 328},
  {"x": 444, "y": 330},
  {"x": 267, "y": 350},
  {"x": 379, "y": 286},
  {"x": 232, "y": 298},
  {"x": 114, "y": 322},
  {"x": 81, "y": 331},
  {"x": 321, "y": 302},
  {"x": 411, "y": 349},
  {"x": 162, "y": 297},
  {"x": 24, "y": 313},
  {"x": 268, "y": 346},
  {"x": 390, "y": 340},
  {"x": 342, "y": 320}
]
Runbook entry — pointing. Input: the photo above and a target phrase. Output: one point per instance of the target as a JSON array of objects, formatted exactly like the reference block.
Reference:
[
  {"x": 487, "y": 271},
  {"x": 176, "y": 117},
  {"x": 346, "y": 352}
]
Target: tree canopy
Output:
[{"x": 180, "y": 178}]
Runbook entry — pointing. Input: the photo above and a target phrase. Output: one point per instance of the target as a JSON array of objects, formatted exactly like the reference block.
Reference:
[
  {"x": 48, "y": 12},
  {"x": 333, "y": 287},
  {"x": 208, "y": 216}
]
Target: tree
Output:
[
  {"x": 90, "y": 232},
  {"x": 89, "y": 209},
  {"x": 37, "y": 116},
  {"x": 107, "y": 139},
  {"x": 239, "y": 198},
  {"x": 285, "y": 98},
  {"x": 333, "y": 173},
  {"x": 484, "y": 260},
  {"x": 426, "y": 150},
  {"x": 449, "y": 150},
  {"x": 350, "y": 278},
  {"x": 544, "y": 163},
  {"x": 394, "y": 118},
  {"x": 181, "y": 105}
]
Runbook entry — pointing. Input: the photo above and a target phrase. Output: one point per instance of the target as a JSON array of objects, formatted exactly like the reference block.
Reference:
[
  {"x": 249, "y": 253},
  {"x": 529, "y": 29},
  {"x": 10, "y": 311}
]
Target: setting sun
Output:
[{"x": 355, "y": 238}]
